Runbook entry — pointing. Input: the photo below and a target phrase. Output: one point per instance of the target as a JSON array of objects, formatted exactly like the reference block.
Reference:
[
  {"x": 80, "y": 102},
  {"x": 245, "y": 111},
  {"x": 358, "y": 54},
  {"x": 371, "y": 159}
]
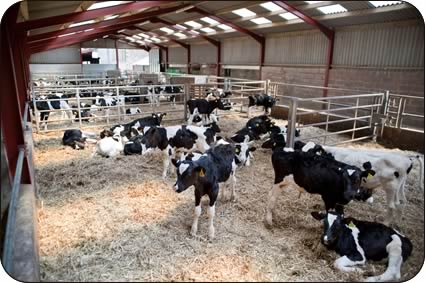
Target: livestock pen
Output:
[
  {"x": 339, "y": 73},
  {"x": 115, "y": 219}
]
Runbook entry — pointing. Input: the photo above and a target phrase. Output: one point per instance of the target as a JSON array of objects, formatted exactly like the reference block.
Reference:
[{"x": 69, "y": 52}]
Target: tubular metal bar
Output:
[
  {"x": 317, "y": 87},
  {"x": 339, "y": 132},
  {"x": 337, "y": 109},
  {"x": 353, "y": 140},
  {"x": 335, "y": 122},
  {"x": 11, "y": 221}
]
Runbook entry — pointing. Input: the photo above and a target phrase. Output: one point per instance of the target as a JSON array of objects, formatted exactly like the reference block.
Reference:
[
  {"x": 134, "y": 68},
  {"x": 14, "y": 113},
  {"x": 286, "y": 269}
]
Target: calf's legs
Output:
[
  {"x": 276, "y": 190},
  {"x": 395, "y": 260}
]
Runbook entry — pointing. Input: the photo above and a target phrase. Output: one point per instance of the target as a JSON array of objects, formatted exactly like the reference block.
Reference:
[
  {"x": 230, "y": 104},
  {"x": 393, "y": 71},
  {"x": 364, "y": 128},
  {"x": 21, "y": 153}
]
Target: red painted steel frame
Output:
[
  {"x": 214, "y": 42},
  {"x": 88, "y": 15},
  {"x": 14, "y": 81},
  {"x": 329, "y": 33},
  {"x": 101, "y": 29},
  {"x": 259, "y": 38}
]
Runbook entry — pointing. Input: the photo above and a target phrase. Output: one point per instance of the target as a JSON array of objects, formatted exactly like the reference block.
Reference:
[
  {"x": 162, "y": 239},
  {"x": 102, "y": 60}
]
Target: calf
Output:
[
  {"x": 357, "y": 241},
  {"x": 133, "y": 110},
  {"x": 109, "y": 146},
  {"x": 214, "y": 167},
  {"x": 204, "y": 108},
  {"x": 74, "y": 138},
  {"x": 256, "y": 128},
  {"x": 171, "y": 139},
  {"x": 264, "y": 100},
  {"x": 336, "y": 182},
  {"x": 51, "y": 104},
  {"x": 391, "y": 169},
  {"x": 278, "y": 137}
]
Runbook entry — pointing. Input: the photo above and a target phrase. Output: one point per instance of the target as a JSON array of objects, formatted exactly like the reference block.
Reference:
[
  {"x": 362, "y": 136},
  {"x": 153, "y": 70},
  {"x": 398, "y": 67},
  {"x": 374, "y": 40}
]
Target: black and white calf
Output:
[
  {"x": 133, "y": 111},
  {"x": 336, "y": 182},
  {"x": 264, "y": 100},
  {"x": 214, "y": 167},
  {"x": 278, "y": 137},
  {"x": 170, "y": 140},
  {"x": 77, "y": 139},
  {"x": 53, "y": 102},
  {"x": 256, "y": 128},
  {"x": 204, "y": 108},
  {"x": 391, "y": 168},
  {"x": 357, "y": 241}
]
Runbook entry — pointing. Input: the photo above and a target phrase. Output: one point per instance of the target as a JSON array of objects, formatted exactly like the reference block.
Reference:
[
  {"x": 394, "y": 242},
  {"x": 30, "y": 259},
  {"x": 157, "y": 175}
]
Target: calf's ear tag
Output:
[
  {"x": 237, "y": 150},
  {"x": 351, "y": 225},
  {"x": 202, "y": 173},
  {"x": 369, "y": 176},
  {"x": 257, "y": 125}
]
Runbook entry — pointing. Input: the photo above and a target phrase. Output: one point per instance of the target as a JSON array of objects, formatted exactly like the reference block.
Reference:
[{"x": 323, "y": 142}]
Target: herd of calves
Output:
[{"x": 339, "y": 175}]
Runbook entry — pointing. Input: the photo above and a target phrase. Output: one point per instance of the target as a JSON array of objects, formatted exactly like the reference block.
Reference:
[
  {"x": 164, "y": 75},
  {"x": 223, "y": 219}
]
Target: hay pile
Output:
[{"x": 115, "y": 220}]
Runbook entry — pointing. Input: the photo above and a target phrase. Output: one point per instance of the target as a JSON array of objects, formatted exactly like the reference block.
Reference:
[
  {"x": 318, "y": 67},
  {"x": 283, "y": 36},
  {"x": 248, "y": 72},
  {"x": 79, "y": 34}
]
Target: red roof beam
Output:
[
  {"x": 133, "y": 19},
  {"x": 111, "y": 29},
  {"x": 259, "y": 38},
  {"x": 89, "y": 15},
  {"x": 288, "y": 7},
  {"x": 210, "y": 40}
]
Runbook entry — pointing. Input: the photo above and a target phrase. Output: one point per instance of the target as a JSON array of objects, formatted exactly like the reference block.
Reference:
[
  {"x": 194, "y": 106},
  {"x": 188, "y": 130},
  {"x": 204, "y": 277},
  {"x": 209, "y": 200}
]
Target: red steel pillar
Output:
[{"x": 14, "y": 89}]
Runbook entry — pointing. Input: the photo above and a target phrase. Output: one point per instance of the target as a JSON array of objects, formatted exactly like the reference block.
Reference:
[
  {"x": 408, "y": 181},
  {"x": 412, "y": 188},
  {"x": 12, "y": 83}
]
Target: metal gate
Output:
[{"x": 83, "y": 97}]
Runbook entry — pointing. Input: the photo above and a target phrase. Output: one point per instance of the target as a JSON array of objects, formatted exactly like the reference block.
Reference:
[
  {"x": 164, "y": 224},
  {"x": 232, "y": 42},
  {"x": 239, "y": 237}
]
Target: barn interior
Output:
[{"x": 345, "y": 73}]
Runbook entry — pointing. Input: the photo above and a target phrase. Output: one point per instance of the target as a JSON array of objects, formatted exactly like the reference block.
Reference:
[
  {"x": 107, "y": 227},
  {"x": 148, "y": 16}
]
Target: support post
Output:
[
  {"x": 116, "y": 55},
  {"x": 77, "y": 95},
  {"x": 292, "y": 117}
]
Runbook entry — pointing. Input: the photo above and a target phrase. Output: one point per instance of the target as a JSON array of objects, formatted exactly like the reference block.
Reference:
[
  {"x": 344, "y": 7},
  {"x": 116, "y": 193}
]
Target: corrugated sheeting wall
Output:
[
  {"x": 100, "y": 43},
  {"x": 56, "y": 68},
  {"x": 66, "y": 55},
  {"x": 241, "y": 50},
  {"x": 177, "y": 55},
  {"x": 380, "y": 46},
  {"x": 94, "y": 68},
  {"x": 203, "y": 54},
  {"x": 154, "y": 66},
  {"x": 296, "y": 48}
]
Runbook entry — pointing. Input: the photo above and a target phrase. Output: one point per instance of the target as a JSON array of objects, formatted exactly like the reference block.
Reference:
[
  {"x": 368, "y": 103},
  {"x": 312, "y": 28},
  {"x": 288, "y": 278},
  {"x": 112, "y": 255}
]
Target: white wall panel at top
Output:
[
  {"x": 94, "y": 68},
  {"x": 177, "y": 55},
  {"x": 66, "y": 55},
  {"x": 203, "y": 53},
  {"x": 396, "y": 45},
  {"x": 99, "y": 43},
  {"x": 154, "y": 66},
  {"x": 241, "y": 50},
  {"x": 296, "y": 48},
  {"x": 56, "y": 68}
]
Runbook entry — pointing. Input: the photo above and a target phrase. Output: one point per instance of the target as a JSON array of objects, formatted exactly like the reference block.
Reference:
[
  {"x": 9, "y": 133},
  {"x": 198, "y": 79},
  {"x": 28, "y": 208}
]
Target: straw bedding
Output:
[{"x": 115, "y": 219}]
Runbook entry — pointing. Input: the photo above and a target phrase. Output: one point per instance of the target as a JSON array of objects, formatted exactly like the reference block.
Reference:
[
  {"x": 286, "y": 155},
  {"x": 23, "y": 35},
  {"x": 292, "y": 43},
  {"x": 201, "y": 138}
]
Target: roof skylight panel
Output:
[
  {"x": 193, "y": 24},
  {"x": 81, "y": 23},
  {"x": 224, "y": 27},
  {"x": 313, "y": 2},
  {"x": 180, "y": 35},
  {"x": 208, "y": 30},
  {"x": 167, "y": 30},
  {"x": 244, "y": 12},
  {"x": 143, "y": 35},
  {"x": 180, "y": 26},
  {"x": 110, "y": 17},
  {"x": 130, "y": 38},
  {"x": 260, "y": 21},
  {"x": 384, "y": 3},
  {"x": 155, "y": 39},
  {"x": 137, "y": 37},
  {"x": 209, "y": 21},
  {"x": 288, "y": 16},
  {"x": 105, "y": 4},
  {"x": 332, "y": 9},
  {"x": 272, "y": 7}
]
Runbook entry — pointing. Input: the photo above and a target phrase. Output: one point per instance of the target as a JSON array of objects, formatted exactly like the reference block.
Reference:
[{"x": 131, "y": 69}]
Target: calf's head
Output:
[
  {"x": 188, "y": 173},
  {"x": 242, "y": 152},
  {"x": 333, "y": 223},
  {"x": 352, "y": 177}
]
